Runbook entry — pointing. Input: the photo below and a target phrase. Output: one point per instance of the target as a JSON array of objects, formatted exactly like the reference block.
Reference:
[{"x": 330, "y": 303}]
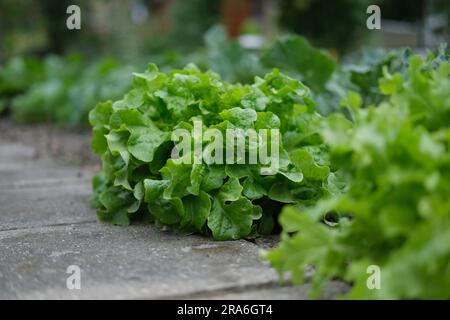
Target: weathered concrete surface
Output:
[
  {"x": 117, "y": 262},
  {"x": 40, "y": 173},
  {"x": 31, "y": 207},
  {"x": 36, "y": 191},
  {"x": 298, "y": 292},
  {"x": 24, "y": 165},
  {"x": 46, "y": 225},
  {"x": 66, "y": 145},
  {"x": 14, "y": 151}
]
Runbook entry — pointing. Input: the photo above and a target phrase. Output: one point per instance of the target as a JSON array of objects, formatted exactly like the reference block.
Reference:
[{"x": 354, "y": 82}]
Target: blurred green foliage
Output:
[
  {"x": 63, "y": 90},
  {"x": 60, "y": 89},
  {"x": 190, "y": 20},
  {"x": 392, "y": 209},
  {"x": 333, "y": 24},
  {"x": 340, "y": 24}
]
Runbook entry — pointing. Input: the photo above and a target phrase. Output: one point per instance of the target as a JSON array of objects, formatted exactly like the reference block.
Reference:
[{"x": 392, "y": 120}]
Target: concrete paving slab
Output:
[
  {"x": 31, "y": 207},
  {"x": 40, "y": 173},
  {"x": 47, "y": 225},
  {"x": 298, "y": 292},
  {"x": 11, "y": 152},
  {"x": 117, "y": 263}
]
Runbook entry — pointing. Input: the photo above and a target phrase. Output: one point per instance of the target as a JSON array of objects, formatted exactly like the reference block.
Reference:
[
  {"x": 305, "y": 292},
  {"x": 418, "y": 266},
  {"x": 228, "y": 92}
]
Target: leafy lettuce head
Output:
[{"x": 141, "y": 178}]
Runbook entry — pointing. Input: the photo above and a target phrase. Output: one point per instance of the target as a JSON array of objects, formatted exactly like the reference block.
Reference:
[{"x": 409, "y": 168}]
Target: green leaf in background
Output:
[
  {"x": 295, "y": 54},
  {"x": 61, "y": 90}
]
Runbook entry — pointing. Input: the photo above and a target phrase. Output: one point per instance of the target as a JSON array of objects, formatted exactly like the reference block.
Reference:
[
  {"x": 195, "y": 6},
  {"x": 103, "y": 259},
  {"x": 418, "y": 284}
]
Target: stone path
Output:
[{"x": 46, "y": 225}]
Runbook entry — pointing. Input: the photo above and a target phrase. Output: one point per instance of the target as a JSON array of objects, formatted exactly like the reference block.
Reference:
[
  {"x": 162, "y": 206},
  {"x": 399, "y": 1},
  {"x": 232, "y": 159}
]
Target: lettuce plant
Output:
[
  {"x": 140, "y": 179},
  {"x": 394, "y": 212}
]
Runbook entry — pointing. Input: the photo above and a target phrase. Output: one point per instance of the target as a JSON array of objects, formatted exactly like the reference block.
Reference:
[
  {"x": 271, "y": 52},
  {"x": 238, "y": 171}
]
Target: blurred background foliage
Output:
[
  {"x": 132, "y": 28},
  {"x": 48, "y": 72}
]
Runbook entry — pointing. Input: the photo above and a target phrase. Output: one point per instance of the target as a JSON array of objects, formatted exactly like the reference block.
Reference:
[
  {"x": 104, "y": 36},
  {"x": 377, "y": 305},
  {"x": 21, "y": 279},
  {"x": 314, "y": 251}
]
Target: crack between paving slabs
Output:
[
  {"x": 64, "y": 224},
  {"x": 202, "y": 294}
]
